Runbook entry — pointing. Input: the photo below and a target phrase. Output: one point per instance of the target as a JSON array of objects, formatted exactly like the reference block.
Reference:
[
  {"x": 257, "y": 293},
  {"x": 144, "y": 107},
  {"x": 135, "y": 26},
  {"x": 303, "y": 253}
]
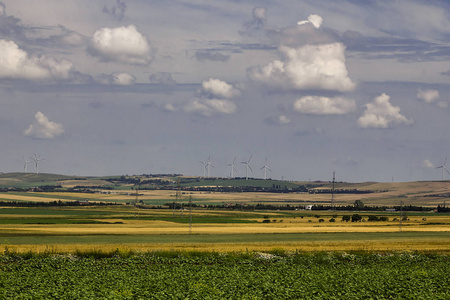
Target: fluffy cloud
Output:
[
  {"x": 316, "y": 105},
  {"x": 16, "y": 64},
  {"x": 283, "y": 120},
  {"x": 215, "y": 88},
  {"x": 428, "y": 164},
  {"x": 123, "y": 44},
  {"x": 315, "y": 20},
  {"x": 320, "y": 67},
  {"x": 213, "y": 99},
  {"x": 428, "y": 95},
  {"x": 209, "y": 107},
  {"x": 382, "y": 114},
  {"x": 117, "y": 78},
  {"x": 42, "y": 128}
]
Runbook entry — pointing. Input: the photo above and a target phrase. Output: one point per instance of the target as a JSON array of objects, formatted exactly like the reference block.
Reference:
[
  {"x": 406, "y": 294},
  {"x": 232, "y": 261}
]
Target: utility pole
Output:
[
  {"x": 190, "y": 214},
  {"x": 177, "y": 196},
  {"x": 401, "y": 216},
  {"x": 332, "y": 193}
]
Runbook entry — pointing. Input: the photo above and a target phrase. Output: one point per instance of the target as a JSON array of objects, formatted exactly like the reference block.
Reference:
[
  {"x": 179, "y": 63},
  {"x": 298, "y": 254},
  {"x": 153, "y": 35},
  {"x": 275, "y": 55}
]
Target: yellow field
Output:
[{"x": 131, "y": 226}]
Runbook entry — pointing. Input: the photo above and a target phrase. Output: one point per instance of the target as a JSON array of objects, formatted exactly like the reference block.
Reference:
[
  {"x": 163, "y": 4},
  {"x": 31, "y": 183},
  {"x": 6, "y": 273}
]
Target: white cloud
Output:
[
  {"x": 59, "y": 69},
  {"x": 169, "y": 107},
  {"x": 209, "y": 107},
  {"x": 428, "y": 95},
  {"x": 442, "y": 104},
  {"x": 319, "y": 67},
  {"x": 15, "y": 63},
  {"x": 283, "y": 120},
  {"x": 42, "y": 128},
  {"x": 117, "y": 78},
  {"x": 315, "y": 20},
  {"x": 382, "y": 114},
  {"x": 259, "y": 14},
  {"x": 216, "y": 88},
  {"x": 123, "y": 44},
  {"x": 317, "y": 105},
  {"x": 213, "y": 98},
  {"x": 428, "y": 164}
]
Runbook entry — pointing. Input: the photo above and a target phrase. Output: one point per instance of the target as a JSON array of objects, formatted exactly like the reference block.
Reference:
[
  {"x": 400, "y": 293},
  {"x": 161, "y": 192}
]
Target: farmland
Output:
[
  {"x": 180, "y": 237},
  {"x": 163, "y": 219},
  {"x": 205, "y": 275}
]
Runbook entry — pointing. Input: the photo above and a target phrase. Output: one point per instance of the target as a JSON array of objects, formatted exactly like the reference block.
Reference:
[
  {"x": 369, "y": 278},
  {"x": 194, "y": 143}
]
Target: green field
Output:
[{"x": 245, "y": 275}]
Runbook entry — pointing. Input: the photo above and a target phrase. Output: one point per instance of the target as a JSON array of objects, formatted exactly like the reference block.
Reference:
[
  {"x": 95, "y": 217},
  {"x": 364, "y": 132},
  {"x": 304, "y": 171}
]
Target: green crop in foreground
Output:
[{"x": 247, "y": 275}]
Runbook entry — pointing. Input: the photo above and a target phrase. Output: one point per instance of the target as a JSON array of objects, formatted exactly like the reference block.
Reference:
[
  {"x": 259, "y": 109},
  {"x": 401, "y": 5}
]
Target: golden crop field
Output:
[
  {"x": 138, "y": 229},
  {"x": 67, "y": 228}
]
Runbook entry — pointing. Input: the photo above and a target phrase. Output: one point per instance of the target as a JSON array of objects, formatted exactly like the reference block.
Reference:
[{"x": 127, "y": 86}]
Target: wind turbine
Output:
[
  {"x": 247, "y": 166},
  {"x": 233, "y": 168},
  {"x": 266, "y": 167},
  {"x": 37, "y": 159},
  {"x": 209, "y": 165},
  {"x": 204, "y": 167},
  {"x": 443, "y": 167},
  {"x": 25, "y": 165}
]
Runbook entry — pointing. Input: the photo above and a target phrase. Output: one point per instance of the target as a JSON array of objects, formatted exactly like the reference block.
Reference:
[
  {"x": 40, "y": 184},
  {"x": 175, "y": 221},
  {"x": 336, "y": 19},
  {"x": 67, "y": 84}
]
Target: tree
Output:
[
  {"x": 356, "y": 218},
  {"x": 346, "y": 218},
  {"x": 359, "y": 205}
]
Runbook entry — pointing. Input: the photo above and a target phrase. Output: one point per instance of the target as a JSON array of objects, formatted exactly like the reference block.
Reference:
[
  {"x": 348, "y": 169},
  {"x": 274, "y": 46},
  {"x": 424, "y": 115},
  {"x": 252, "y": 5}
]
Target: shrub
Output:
[
  {"x": 356, "y": 218},
  {"x": 346, "y": 218},
  {"x": 373, "y": 218}
]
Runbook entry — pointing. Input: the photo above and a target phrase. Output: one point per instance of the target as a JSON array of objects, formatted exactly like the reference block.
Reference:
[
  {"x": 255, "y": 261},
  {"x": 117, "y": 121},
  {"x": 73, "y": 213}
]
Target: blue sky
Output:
[{"x": 138, "y": 87}]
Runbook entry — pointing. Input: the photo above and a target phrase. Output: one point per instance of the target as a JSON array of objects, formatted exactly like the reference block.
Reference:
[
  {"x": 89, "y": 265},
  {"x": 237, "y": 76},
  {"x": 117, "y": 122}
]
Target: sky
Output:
[{"x": 117, "y": 87}]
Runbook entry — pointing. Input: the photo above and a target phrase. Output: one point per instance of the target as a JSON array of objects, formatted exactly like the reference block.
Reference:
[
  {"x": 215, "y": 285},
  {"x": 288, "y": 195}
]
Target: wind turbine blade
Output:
[
  {"x": 250, "y": 168},
  {"x": 250, "y": 158},
  {"x": 446, "y": 169}
]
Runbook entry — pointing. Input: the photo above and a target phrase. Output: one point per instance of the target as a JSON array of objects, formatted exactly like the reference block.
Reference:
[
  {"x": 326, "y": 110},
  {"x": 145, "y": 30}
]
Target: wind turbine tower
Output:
[
  {"x": 247, "y": 167},
  {"x": 25, "y": 165},
  {"x": 266, "y": 167},
  {"x": 37, "y": 159},
  {"x": 204, "y": 167},
  {"x": 444, "y": 168},
  {"x": 208, "y": 166},
  {"x": 233, "y": 168}
]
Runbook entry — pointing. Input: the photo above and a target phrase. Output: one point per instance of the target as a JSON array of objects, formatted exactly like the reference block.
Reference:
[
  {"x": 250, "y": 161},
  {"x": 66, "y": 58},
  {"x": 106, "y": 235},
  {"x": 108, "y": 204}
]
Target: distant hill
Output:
[
  {"x": 24, "y": 180},
  {"x": 434, "y": 189}
]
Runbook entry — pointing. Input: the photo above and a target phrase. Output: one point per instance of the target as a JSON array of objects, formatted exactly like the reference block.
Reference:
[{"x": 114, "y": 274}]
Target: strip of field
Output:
[
  {"x": 68, "y": 229},
  {"x": 399, "y": 241}
]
